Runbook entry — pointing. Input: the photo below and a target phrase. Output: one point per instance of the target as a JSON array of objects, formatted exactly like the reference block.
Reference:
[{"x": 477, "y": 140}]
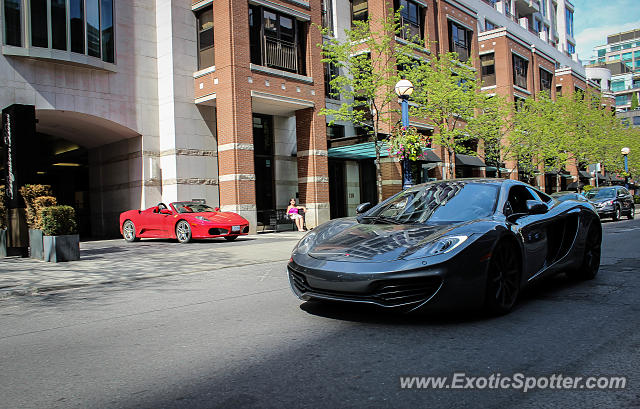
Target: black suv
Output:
[{"x": 612, "y": 201}]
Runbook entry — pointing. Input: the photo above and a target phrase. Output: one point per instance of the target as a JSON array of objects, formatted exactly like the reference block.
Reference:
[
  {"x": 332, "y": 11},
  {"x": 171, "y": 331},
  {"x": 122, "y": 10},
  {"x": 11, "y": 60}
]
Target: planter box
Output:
[
  {"x": 36, "y": 249},
  {"x": 3, "y": 243},
  {"x": 62, "y": 248}
]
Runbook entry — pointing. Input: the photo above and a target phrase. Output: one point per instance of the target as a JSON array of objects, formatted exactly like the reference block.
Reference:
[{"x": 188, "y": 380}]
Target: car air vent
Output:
[
  {"x": 217, "y": 232},
  {"x": 246, "y": 229}
]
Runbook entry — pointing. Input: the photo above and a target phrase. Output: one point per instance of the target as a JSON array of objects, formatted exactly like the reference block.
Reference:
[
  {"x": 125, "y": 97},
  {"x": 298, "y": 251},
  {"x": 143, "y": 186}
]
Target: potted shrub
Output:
[
  {"x": 3, "y": 224},
  {"x": 61, "y": 240},
  {"x": 30, "y": 193}
]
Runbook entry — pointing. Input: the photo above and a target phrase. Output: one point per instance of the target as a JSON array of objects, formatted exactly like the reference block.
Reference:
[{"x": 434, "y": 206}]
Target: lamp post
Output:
[
  {"x": 404, "y": 89},
  {"x": 625, "y": 152}
]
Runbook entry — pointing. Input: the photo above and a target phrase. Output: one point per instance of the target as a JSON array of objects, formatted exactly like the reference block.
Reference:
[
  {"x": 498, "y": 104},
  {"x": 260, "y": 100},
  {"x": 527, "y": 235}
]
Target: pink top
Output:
[{"x": 293, "y": 210}]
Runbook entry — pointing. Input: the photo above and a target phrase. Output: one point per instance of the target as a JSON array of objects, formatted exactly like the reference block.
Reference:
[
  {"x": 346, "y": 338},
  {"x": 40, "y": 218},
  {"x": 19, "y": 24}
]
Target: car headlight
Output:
[
  {"x": 304, "y": 245},
  {"x": 204, "y": 219},
  {"x": 439, "y": 246}
]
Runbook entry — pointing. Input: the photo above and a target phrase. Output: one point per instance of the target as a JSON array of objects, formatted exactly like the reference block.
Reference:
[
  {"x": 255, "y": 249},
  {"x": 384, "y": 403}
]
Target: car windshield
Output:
[
  {"x": 443, "y": 202},
  {"x": 601, "y": 193},
  {"x": 192, "y": 207}
]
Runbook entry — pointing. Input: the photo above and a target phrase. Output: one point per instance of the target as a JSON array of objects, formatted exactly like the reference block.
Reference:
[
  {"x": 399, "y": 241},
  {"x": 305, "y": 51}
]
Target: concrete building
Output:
[{"x": 125, "y": 104}]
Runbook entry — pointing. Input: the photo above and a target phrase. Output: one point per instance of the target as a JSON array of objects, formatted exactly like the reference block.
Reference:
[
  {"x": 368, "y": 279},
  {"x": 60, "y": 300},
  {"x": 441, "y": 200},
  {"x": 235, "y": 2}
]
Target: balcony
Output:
[
  {"x": 527, "y": 6},
  {"x": 461, "y": 49},
  {"x": 280, "y": 54}
]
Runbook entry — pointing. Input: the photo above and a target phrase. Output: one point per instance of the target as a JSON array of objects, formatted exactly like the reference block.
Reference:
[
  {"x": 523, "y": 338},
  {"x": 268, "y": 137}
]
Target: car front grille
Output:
[
  {"x": 387, "y": 293},
  {"x": 217, "y": 232}
]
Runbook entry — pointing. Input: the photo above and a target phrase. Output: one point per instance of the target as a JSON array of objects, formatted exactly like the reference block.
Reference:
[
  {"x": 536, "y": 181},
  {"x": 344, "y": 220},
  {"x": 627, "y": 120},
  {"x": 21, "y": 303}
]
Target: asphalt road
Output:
[{"x": 237, "y": 337}]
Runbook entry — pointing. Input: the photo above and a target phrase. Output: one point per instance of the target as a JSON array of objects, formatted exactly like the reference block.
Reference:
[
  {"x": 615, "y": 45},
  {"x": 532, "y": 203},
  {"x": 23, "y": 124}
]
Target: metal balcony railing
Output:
[
  {"x": 280, "y": 54},
  {"x": 461, "y": 49}
]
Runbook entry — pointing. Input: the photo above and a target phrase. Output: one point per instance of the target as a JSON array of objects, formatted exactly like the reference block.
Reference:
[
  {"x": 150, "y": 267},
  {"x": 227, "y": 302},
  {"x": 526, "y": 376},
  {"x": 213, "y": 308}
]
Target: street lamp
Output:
[
  {"x": 404, "y": 89},
  {"x": 625, "y": 152}
]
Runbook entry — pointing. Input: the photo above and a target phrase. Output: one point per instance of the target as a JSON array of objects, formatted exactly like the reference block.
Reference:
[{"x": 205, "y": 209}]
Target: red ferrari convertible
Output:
[{"x": 183, "y": 221}]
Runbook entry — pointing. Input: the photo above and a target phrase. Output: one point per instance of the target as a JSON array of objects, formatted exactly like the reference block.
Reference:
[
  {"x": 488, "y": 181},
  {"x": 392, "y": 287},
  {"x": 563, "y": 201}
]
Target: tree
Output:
[
  {"x": 634, "y": 101},
  {"x": 367, "y": 64},
  {"x": 447, "y": 93}
]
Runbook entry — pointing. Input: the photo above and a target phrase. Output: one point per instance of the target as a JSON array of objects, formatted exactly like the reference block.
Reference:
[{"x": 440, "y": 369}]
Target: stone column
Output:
[{"x": 391, "y": 176}]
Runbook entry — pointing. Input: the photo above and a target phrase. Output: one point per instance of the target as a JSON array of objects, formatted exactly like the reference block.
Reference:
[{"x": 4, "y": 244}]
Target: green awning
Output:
[{"x": 367, "y": 150}]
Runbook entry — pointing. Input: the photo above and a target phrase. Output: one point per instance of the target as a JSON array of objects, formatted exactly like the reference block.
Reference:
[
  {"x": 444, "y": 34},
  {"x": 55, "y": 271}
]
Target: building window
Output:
[
  {"x": 626, "y": 56},
  {"x": 614, "y": 57},
  {"x": 487, "y": 61},
  {"x": 520, "y": 66},
  {"x": 543, "y": 7},
  {"x": 536, "y": 25},
  {"x": 39, "y": 26},
  {"x": 206, "y": 56},
  {"x": 274, "y": 40},
  {"x": 636, "y": 54},
  {"x": 546, "y": 78},
  {"x": 106, "y": 28},
  {"x": 629, "y": 64},
  {"x": 410, "y": 20},
  {"x": 571, "y": 49},
  {"x": 327, "y": 15},
  {"x": 627, "y": 46},
  {"x": 335, "y": 131},
  {"x": 622, "y": 99},
  {"x": 569, "y": 21},
  {"x": 617, "y": 86},
  {"x": 637, "y": 63},
  {"x": 76, "y": 23},
  {"x": 330, "y": 72},
  {"x": 460, "y": 41},
  {"x": 58, "y": 24},
  {"x": 616, "y": 48},
  {"x": 93, "y": 28},
  {"x": 519, "y": 102},
  {"x": 602, "y": 52},
  {"x": 12, "y": 22},
  {"x": 488, "y": 25},
  {"x": 359, "y": 11},
  {"x": 558, "y": 90}
]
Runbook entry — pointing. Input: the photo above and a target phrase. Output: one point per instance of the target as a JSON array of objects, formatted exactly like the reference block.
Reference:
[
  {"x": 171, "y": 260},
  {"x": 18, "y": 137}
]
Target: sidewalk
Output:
[{"x": 114, "y": 261}]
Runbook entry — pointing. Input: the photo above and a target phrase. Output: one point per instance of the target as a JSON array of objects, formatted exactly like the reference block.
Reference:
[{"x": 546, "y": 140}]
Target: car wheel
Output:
[
  {"x": 503, "y": 279},
  {"x": 129, "y": 231},
  {"x": 183, "y": 231},
  {"x": 632, "y": 213},
  {"x": 591, "y": 258},
  {"x": 230, "y": 238},
  {"x": 616, "y": 214}
]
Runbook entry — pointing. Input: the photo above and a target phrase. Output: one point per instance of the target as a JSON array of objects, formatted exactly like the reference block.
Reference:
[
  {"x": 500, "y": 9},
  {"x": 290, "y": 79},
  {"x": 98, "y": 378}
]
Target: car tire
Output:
[
  {"x": 503, "y": 279},
  {"x": 591, "y": 257},
  {"x": 632, "y": 213},
  {"x": 616, "y": 214},
  {"x": 230, "y": 238},
  {"x": 129, "y": 231},
  {"x": 183, "y": 231}
]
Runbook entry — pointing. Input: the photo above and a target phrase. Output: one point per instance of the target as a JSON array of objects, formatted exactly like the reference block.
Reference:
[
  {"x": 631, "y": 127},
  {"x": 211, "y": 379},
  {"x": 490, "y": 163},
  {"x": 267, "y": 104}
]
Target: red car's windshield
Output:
[{"x": 191, "y": 207}]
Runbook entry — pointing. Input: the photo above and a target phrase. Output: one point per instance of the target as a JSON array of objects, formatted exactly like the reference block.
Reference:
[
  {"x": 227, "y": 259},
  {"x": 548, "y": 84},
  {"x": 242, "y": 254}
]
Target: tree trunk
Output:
[
  {"x": 377, "y": 162},
  {"x": 451, "y": 170}
]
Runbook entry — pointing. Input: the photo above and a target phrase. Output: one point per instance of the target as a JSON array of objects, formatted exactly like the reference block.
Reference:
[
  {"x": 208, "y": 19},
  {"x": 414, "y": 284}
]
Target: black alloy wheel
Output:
[
  {"x": 591, "y": 258},
  {"x": 632, "y": 213},
  {"x": 616, "y": 214},
  {"x": 503, "y": 279}
]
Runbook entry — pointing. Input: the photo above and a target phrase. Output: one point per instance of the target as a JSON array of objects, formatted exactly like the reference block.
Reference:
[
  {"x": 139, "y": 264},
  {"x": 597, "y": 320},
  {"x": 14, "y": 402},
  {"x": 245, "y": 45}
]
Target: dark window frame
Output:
[
  {"x": 411, "y": 23},
  {"x": 13, "y": 18},
  {"x": 327, "y": 15},
  {"x": 461, "y": 46},
  {"x": 488, "y": 71},
  {"x": 330, "y": 72},
  {"x": 362, "y": 15},
  {"x": 200, "y": 16},
  {"x": 520, "y": 71},
  {"x": 546, "y": 80}
]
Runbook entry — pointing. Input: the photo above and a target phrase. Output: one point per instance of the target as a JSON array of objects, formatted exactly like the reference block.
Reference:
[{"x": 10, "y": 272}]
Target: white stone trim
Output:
[
  {"x": 201, "y": 4},
  {"x": 313, "y": 152},
  {"x": 59, "y": 56},
  {"x": 421, "y": 125},
  {"x": 488, "y": 88},
  {"x": 391, "y": 182},
  {"x": 205, "y": 71},
  {"x": 235, "y": 146},
  {"x": 284, "y": 9},
  {"x": 206, "y": 98},
  {"x": 237, "y": 176},
  {"x": 281, "y": 98},
  {"x": 247, "y": 207},
  {"x": 389, "y": 159},
  {"x": 314, "y": 179}
]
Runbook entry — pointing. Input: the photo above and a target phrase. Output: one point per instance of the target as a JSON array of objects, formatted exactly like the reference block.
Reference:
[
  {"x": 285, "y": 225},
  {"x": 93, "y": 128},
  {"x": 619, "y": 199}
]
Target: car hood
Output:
[
  {"x": 594, "y": 201},
  {"x": 348, "y": 240}
]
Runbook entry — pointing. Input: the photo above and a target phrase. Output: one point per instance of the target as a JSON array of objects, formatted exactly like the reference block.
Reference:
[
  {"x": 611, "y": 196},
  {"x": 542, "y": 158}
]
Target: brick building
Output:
[{"x": 126, "y": 104}]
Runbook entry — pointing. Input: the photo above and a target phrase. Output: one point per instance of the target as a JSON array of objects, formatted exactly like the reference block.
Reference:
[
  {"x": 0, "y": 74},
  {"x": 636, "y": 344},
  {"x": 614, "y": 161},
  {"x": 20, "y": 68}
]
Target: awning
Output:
[
  {"x": 430, "y": 156},
  {"x": 584, "y": 174},
  {"x": 601, "y": 177},
  {"x": 575, "y": 186},
  {"x": 364, "y": 150},
  {"x": 551, "y": 172},
  {"x": 468, "y": 160}
]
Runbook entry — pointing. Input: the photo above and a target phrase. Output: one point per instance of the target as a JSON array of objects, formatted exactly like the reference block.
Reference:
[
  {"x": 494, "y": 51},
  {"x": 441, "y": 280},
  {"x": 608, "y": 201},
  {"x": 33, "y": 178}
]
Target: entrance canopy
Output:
[
  {"x": 367, "y": 150},
  {"x": 469, "y": 160},
  {"x": 82, "y": 129}
]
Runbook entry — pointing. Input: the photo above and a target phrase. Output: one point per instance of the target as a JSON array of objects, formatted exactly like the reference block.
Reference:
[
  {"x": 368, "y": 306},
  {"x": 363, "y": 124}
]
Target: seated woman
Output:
[{"x": 293, "y": 212}]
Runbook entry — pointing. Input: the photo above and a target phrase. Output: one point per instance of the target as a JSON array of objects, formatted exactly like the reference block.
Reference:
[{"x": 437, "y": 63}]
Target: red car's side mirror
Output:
[
  {"x": 217, "y": 209},
  {"x": 165, "y": 211}
]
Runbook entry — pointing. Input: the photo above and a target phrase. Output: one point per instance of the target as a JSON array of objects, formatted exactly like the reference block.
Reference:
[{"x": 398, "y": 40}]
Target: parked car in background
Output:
[
  {"x": 182, "y": 221},
  {"x": 612, "y": 201},
  {"x": 568, "y": 195}
]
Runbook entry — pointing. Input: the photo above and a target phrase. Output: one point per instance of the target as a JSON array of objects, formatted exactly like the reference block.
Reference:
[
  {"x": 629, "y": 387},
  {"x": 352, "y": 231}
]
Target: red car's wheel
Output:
[
  {"x": 129, "y": 231},
  {"x": 183, "y": 231},
  {"x": 230, "y": 238}
]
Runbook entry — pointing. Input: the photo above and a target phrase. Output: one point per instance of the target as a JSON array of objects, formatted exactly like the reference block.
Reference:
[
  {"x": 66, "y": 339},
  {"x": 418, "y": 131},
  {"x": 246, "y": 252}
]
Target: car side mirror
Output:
[
  {"x": 363, "y": 207},
  {"x": 536, "y": 207},
  {"x": 165, "y": 211},
  {"x": 217, "y": 209}
]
